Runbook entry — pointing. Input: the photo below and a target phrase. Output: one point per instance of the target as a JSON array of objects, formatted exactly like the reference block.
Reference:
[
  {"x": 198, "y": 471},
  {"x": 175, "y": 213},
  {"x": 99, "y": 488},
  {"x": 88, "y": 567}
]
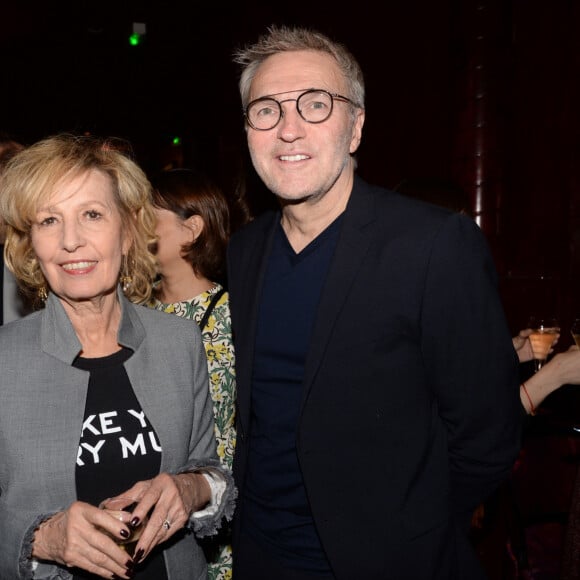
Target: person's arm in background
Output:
[{"x": 562, "y": 369}]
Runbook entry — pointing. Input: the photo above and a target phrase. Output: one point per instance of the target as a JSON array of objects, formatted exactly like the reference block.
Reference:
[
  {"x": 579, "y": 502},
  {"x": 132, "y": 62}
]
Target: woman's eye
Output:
[
  {"x": 93, "y": 214},
  {"x": 47, "y": 221}
]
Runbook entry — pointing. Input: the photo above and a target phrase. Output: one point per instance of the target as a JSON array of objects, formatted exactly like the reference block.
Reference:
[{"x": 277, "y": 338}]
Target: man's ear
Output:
[
  {"x": 195, "y": 224},
  {"x": 357, "y": 131}
]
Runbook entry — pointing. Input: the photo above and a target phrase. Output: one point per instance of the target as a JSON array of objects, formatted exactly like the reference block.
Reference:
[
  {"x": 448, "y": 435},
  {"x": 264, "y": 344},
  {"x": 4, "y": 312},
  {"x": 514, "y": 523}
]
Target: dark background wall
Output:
[{"x": 477, "y": 96}]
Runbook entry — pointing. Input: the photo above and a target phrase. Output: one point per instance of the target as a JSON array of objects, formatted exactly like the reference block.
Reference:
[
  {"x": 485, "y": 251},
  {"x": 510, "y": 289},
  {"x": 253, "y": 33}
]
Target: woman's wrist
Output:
[
  {"x": 195, "y": 486},
  {"x": 43, "y": 537},
  {"x": 527, "y": 400},
  {"x": 538, "y": 387}
]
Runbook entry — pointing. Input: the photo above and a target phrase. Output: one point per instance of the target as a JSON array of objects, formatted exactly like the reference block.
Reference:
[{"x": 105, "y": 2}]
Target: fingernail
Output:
[
  {"x": 134, "y": 522},
  {"x": 124, "y": 533},
  {"x": 130, "y": 573},
  {"x": 129, "y": 565},
  {"x": 138, "y": 555}
]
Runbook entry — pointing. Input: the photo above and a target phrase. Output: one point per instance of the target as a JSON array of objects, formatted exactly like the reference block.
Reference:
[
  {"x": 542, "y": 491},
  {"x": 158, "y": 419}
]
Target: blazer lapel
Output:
[
  {"x": 255, "y": 260},
  {"x": 353, "y": 243}
]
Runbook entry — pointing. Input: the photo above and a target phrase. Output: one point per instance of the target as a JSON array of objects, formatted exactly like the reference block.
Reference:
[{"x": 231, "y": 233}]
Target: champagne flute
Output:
[
  {"x": 120, "y": 508},
  {"x": 545, "y": 332}
]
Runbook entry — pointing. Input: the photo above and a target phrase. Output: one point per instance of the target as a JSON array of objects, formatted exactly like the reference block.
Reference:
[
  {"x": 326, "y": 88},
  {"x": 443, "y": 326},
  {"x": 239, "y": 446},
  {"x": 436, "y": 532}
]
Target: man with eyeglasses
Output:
[{"x": 378, "y": 399}]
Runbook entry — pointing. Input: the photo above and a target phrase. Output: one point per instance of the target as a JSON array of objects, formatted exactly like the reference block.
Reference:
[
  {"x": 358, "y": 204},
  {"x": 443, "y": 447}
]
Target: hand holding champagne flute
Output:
[
  {"x": 545, "y": 332},
  {"x": 120, "y": 508}
]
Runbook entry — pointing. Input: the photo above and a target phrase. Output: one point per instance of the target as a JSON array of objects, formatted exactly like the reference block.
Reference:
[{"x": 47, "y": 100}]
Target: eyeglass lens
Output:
[{"x": 313, "y": 107}]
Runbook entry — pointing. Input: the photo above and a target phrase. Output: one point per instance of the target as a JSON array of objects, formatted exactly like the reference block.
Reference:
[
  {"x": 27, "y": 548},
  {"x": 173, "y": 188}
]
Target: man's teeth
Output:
[{"x": 293, "y": 157}]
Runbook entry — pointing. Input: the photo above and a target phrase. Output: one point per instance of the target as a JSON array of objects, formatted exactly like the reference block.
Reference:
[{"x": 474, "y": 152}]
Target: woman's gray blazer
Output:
[{"x": 42, "y": 402}]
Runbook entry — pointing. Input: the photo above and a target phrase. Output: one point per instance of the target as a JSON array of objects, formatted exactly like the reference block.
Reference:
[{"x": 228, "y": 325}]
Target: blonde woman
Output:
[{"x": 100, "y": 396}]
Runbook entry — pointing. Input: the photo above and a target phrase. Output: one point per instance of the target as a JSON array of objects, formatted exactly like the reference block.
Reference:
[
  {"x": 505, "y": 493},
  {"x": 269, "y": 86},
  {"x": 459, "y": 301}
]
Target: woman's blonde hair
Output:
[{"x": 30, "y": 178}]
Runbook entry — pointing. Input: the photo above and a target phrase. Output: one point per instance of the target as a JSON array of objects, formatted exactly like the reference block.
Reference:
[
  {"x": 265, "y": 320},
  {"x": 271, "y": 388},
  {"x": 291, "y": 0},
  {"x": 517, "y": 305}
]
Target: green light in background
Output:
[
  {"x": 176, "y": 141},
  {"x": 139, "y": 31}
]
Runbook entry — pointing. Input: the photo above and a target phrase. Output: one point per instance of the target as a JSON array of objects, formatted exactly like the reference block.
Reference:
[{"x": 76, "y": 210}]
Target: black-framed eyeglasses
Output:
[{"x": 313, "y": 105}]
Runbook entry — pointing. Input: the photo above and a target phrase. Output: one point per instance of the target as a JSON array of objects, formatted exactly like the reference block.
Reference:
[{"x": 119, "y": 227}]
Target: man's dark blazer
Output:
[{"x": 410, "y": 414}]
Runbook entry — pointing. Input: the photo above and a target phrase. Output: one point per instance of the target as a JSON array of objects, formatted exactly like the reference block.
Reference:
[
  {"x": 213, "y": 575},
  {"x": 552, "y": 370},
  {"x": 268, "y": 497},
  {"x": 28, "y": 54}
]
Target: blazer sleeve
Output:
[
  {"x": 470, "y": 356},
  {"x": 203, "y": 456},
  {"x": 184, "y": 422}
]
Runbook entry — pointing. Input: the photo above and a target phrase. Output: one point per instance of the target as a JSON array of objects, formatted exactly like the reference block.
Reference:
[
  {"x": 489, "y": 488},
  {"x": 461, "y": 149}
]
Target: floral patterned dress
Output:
[{"x": 217, "y": 339}]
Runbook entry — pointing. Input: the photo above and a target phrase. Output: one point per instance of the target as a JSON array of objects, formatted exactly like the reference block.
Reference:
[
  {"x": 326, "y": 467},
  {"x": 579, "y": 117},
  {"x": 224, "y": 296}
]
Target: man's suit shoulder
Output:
[
  {"x": 397, "y": 214},
  {"x": 388, "y": 200}
]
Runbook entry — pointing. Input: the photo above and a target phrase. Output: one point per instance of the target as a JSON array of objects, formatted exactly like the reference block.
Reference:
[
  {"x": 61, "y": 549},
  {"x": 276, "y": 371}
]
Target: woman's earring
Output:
[
  {"x": 126, "y": 282},
  {"x": 125, "y": 279},
  {"x": 42, "y": 293}
]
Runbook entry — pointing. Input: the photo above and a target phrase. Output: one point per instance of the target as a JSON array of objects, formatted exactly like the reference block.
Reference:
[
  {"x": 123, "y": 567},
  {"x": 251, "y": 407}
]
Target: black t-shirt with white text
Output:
[{"x": 118, "y": 446}]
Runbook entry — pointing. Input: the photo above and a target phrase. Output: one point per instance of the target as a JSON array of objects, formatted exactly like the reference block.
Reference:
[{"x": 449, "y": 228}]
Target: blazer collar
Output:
[
  {"x": 353, "y": 243},
  {"x": 59, "y": 339}
]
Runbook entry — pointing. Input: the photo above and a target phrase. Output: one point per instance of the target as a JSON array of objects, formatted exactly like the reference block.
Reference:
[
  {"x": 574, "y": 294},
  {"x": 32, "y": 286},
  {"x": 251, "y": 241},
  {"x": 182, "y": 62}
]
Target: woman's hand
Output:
[
  {"x": 76, "y": 537},
  {"x": 563, "y": 369},
  {"x": 169, "y": 501},
  {"x": 523, "y": 345}
]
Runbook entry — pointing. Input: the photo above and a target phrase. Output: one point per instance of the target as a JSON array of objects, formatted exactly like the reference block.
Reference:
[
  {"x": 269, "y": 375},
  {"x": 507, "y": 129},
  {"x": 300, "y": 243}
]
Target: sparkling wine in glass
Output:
[
  {"x": 545, "y": 332},
  {"x": 120, "y": 508}
]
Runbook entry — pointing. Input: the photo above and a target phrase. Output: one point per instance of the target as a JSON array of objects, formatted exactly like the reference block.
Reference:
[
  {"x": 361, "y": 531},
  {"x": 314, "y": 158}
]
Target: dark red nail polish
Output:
[
  {"x": 124, "y": 533},
  {"x": 134, "y": 522},
  {"x": 138, "y": 555},
  {"x": 129, "y": 564}
]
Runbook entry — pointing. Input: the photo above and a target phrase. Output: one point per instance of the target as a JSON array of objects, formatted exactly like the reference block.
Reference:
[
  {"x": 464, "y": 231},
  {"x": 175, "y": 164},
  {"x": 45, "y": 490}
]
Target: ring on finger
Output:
[{"x": 166, "y": 524}]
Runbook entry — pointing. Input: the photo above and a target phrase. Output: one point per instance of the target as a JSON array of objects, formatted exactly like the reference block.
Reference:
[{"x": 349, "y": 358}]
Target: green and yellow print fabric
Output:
[{"x": 219, "y": 350}]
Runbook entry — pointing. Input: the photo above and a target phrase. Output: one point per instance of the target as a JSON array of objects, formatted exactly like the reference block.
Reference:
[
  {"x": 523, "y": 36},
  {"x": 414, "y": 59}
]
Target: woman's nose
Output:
[{"x": 71, "y": 236}]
